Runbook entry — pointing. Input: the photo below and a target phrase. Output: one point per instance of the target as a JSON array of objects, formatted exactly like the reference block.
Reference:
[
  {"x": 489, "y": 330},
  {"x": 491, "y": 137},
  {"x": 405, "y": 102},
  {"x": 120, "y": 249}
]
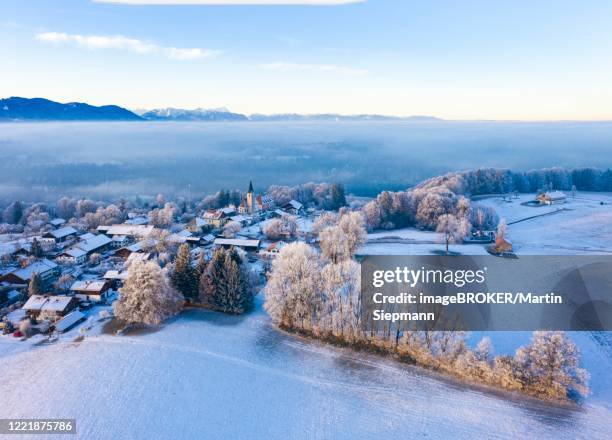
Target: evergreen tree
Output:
[
  {"x": 337, "y": 196},
  {"x": 35, "y": 286},
  {"x": 224, "y": 284},
  {"x": 212, "y": 277},
  {"x": 184, "y": 277},
  {"x": 37, "y": 250}
]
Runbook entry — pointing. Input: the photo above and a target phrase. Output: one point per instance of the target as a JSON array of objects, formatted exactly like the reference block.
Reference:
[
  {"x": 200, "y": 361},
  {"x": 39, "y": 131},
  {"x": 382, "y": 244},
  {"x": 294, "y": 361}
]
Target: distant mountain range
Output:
[
  {"x": 40, "y": 109},
  {"x": 199, "y": 114}
]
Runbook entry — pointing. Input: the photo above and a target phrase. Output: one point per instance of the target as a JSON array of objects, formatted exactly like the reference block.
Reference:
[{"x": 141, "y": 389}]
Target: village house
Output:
[
  {"x": 197, "y": 225},
  {"x": 293, "y": 207},
  {"x": 241, "y": 243},
  {"x": 74, "y": 256},
  {"x": 47, "y": 270},
  {"x": 551, "y": 198},
  {"x": 133, "y": 231},
  {"x": 272, "y": 250},
  {"x": 60, "y": 235},
  {"x": 119, "y": 241},
  {"x": 97, "y": 243},
  {"x": 57, "y": 222},
  {"x": 53, "y": 307},
  {"x": 138, "y": 257},
  {"x": 215, "y": 218},
  {"x": 125, "y": 252},
  {"x": 502, "y": 245},
  {"x": 91, "y": 290},
  {"x": 115, "y": 278}
]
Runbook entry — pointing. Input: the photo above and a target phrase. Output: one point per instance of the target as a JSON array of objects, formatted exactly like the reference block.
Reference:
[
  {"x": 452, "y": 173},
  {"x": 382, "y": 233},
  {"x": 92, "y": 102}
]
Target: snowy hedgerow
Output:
[{"x": 146, "y": 296}]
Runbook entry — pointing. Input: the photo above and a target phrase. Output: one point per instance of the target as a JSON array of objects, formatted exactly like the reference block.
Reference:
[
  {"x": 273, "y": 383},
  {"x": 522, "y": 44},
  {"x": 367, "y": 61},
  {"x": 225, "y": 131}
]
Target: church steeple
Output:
[{"x": 250, "y": 186}]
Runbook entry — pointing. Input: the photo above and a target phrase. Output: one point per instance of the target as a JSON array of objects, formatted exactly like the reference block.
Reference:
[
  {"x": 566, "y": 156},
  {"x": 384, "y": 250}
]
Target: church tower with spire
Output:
[{"x": 249, "y": 199}]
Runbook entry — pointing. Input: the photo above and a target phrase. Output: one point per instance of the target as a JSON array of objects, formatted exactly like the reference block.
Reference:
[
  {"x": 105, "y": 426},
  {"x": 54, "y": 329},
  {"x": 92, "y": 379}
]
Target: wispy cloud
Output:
[
  {"x": 232, "y": 2},
  {"x": 119, "y": 42},
  {"x": 283, "y": 66}
]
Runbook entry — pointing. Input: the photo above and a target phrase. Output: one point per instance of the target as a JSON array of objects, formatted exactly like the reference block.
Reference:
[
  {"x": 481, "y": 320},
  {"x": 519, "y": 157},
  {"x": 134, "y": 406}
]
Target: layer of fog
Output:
[{"x": 40, "y": 161}]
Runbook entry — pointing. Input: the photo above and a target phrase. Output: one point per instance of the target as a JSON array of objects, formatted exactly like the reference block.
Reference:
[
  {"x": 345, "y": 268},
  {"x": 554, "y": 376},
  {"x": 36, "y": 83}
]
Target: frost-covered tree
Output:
[
  {"x": 502, "y": 227},
  {"x": 451, "y": 229},
  {"x": 12, "y": 213},
  {"x": 183, "y": 276},
  {"x": 66, "y": 208},
  {"x": 549, "y": 366},
  {"x": 231, "y": 229},
  {"x": 340, "y": 242},
  {"x": 146, "y": 296},
  {"x": 64, "y": 282},
  {"x": 323, "y": 221},
  {"x": 433, "y": 205},
  {"x": 284, "y": 227},
  {"x": 371, "y": 215},
  {"x": 293, "y": 286}
]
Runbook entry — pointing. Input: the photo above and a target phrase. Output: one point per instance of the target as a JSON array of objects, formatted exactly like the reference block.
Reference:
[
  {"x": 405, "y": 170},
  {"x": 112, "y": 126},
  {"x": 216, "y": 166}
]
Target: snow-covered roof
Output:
[
  {"x": 239, "y": 242},
  {"x": 57, "y": 221},
  {"x": 39, "y": 266},
  {"x": 120, "y": 238},
  {"x": 142, "y": 220},
  {"x": 239, "y": 218},
  {"x": 132, "y": 230},
  {"x": 74, "y": 252},
  {"x": 555, "y": 195},
  {"x": 115, "y": 275},
  {"x": 86, "y": 236},
  {"x": 214, "y": 214},
  {"x": 199, "y": 222},
  {"x": 294, "y": 204},
  {"x": 61, "y": 232},
  {"x": 228, "y": 210},
  {"x": 138, "y": 256},
  {"x": 208, "y": 238},
  {"x": 94, "y": 243},
  {"x": 88, "y": 286},
  {"x": 47, "y": 303},
  {"x": 69, "y": 320}
]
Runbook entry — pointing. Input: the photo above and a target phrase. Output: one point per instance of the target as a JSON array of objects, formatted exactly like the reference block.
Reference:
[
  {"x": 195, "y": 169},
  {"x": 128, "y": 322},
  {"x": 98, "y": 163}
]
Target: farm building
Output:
[{"x": 551, "y": 198}]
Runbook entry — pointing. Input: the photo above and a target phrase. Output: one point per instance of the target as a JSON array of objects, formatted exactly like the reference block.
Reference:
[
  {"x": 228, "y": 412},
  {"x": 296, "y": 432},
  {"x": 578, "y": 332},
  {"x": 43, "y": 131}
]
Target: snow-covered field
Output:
[
  {"x": 583, "y": 226},
  {"x": 208, "y": 375}
]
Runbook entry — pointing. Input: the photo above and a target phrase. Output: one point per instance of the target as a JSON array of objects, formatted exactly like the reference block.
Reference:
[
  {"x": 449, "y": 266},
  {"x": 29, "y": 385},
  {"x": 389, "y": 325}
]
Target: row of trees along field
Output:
[
  {"x": 318, "y": 294},
  {"x": 150, "y": 296}
]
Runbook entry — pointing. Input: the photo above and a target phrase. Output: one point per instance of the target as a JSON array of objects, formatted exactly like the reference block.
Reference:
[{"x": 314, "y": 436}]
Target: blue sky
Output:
[{"x": 453, "y": 59}]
